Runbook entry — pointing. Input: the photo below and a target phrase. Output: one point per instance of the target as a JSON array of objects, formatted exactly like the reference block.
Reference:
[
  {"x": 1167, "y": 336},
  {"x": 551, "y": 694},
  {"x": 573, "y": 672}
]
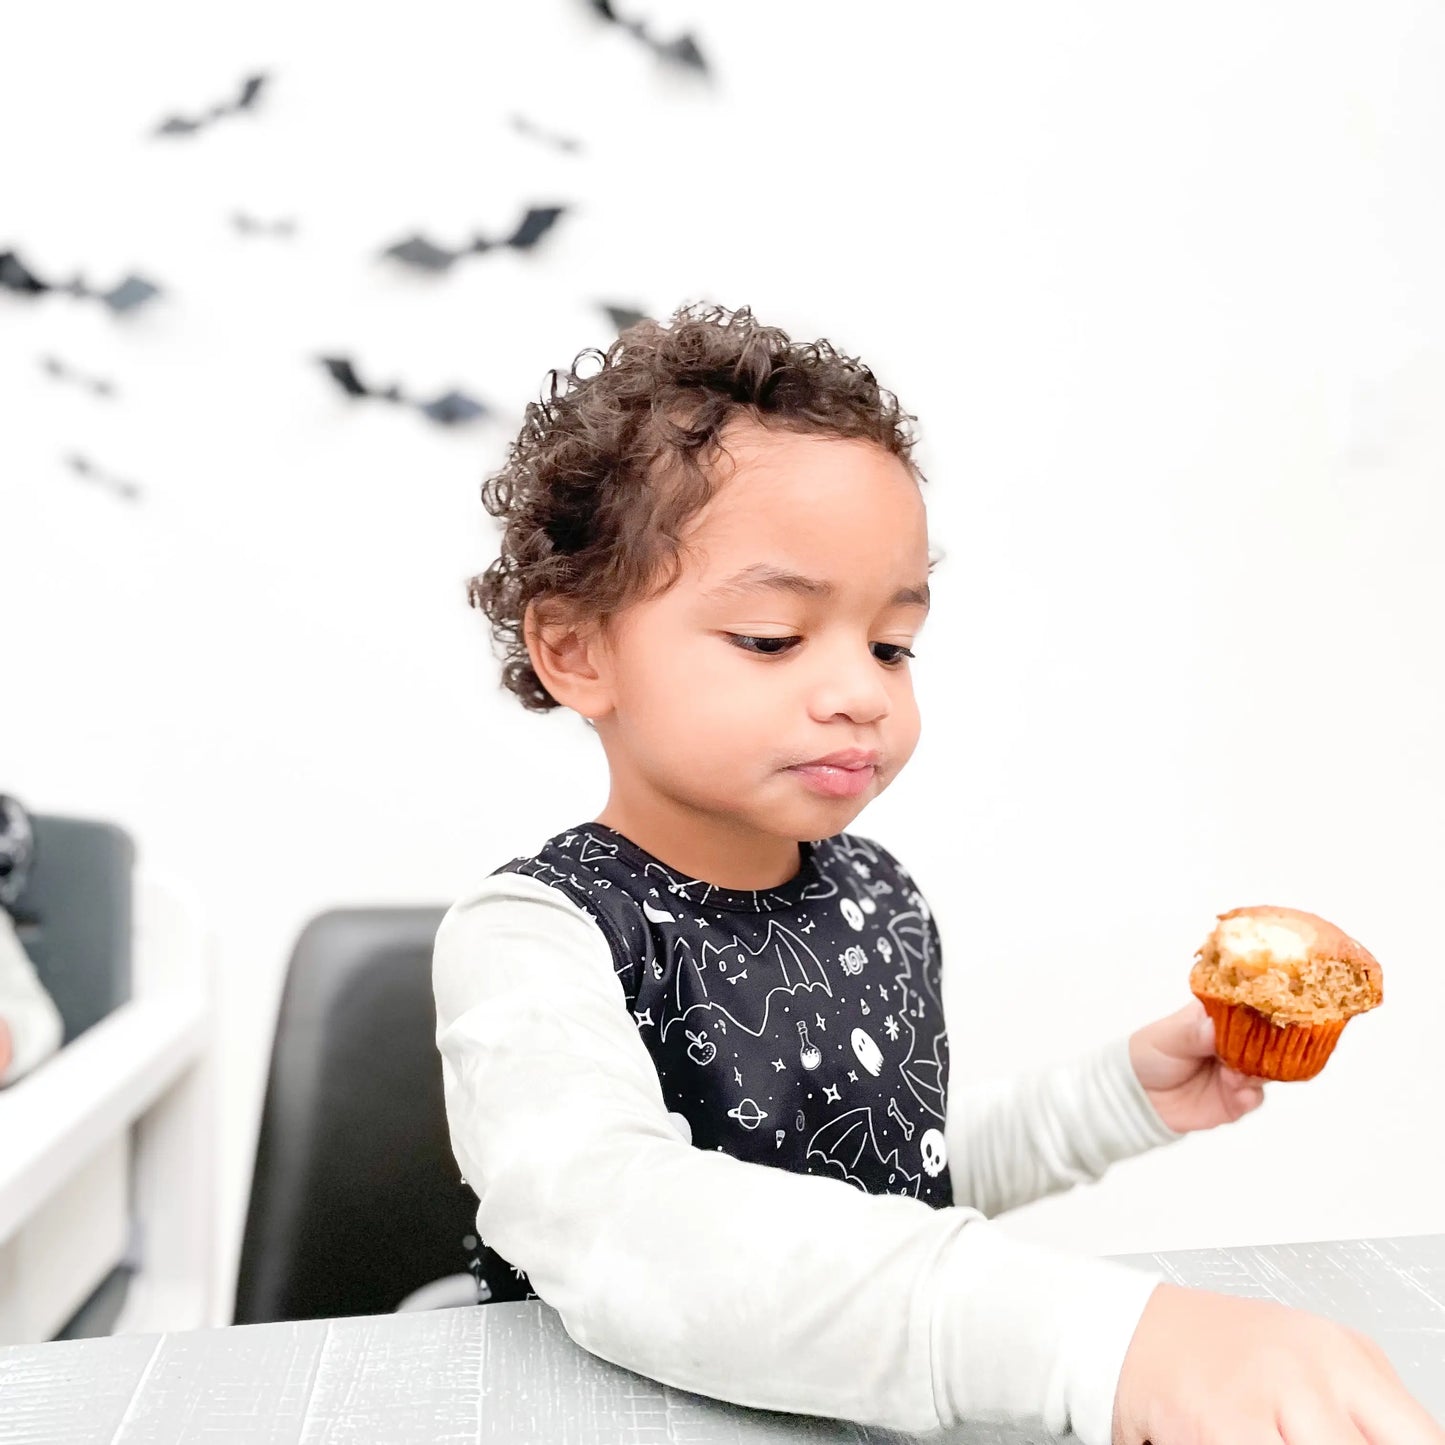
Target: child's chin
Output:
[{"x": 826, "y": 816}]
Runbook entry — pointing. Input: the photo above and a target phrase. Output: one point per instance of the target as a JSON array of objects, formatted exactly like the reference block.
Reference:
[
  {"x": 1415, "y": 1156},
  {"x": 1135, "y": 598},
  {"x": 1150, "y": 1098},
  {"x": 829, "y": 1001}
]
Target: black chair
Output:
[
  {"x": 356, "y": 1198},
  {"x": 74, "y": 917}
]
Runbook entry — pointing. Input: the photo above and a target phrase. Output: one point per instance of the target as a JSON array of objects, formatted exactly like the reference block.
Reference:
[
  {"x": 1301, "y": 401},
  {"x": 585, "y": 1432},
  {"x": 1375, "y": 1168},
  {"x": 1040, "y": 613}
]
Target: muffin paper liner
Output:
[{"x": 1254, "y": 1045}]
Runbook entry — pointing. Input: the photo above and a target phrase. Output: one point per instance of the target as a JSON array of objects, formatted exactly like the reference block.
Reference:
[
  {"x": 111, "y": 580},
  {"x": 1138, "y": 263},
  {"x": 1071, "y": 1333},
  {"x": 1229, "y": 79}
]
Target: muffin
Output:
[{"x": 1280, "y": 986}]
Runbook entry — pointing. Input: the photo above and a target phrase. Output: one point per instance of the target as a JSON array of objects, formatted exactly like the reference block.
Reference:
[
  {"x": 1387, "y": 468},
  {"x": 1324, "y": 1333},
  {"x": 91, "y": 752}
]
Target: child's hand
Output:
[
  {"x": 1205, "y": 1367},
  {"x": 1189, "y": 1088}
]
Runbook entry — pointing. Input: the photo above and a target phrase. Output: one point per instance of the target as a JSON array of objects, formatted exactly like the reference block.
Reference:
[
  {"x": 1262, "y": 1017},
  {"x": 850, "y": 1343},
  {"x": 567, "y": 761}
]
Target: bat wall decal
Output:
[
  {"x": 570, "y": 144},
  {"x": 682, "y": 51},
  {"x": 245, "y": 100},
  {"x": 425, "y": 255},
  {"x": 116, "y": 486},
  {"x": 16, "y": 276},
  {"x": 53, "y": 367},
  {"x": 623, "y": 316},
  {"x": 450, "y": 409},
  {"x": 248, "y": 226}
]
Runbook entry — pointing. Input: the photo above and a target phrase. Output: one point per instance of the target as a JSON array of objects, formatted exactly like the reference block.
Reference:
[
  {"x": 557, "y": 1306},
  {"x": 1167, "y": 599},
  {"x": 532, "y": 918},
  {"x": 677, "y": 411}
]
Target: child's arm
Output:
[
  {"x": 32, "y": 1022},
  {"x": 1014, "y": 1140},
  {"x": 751, "y": 1284}
]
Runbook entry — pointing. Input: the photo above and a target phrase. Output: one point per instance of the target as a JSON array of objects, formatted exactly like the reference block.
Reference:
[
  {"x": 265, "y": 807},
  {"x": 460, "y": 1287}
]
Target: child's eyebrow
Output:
[{"x": 764, "y": 577}]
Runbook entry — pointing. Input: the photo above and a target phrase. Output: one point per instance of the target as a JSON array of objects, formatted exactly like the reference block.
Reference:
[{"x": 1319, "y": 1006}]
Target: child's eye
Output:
[
  {"x": 765, "y": 646},
  {"x": 777, "y": 646}
]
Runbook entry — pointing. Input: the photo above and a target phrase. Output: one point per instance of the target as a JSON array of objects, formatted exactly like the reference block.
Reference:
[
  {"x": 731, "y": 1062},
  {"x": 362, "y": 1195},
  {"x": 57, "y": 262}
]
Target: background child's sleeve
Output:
[
  {"x": 27, "y": 1009},
  {"x": 751, "y": 1284}
]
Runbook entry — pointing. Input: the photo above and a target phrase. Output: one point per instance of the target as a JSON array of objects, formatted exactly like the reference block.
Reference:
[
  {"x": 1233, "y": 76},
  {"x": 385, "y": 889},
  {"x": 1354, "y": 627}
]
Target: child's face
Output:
[{"x": 704, "y": 732}]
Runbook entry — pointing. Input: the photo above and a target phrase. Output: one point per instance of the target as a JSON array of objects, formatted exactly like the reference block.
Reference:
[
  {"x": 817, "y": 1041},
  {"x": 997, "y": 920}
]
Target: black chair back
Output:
[
  {"x": 74, "y": 917},
  {"x": 356, "y": 1198}
]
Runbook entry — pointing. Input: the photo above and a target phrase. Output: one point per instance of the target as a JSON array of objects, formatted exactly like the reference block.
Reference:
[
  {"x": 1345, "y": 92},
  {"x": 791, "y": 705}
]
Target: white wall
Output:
[{"x": 1162, "y": 285}]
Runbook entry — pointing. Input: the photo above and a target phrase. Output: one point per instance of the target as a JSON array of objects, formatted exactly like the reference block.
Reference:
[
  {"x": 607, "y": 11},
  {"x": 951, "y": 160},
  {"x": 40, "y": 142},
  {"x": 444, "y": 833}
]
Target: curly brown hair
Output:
[{"x": 587, "y": 525}]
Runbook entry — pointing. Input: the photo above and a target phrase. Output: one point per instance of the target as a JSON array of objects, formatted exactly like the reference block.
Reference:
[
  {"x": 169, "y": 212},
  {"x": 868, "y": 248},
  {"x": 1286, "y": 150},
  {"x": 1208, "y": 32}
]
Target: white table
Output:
[
  {"x": 509, "y": 1373},
  {"x": 106, "y": 1151}
]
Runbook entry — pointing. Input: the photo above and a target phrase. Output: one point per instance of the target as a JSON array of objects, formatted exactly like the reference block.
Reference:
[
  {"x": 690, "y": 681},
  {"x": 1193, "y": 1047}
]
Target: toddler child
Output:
[
  {"x": 30, "y": 1024},
  {"x": 693, "y": 1049}
]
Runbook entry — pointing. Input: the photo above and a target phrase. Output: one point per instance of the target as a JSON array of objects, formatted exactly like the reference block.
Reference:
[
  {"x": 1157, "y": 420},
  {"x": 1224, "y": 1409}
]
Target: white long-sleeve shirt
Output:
[
  {"x": 756, "y": 1285},
  {"x": 28, "y": 1011}
]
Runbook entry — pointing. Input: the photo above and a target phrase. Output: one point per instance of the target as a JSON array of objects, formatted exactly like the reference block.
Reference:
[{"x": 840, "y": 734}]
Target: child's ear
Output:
[{"x": 568, "y": 657}]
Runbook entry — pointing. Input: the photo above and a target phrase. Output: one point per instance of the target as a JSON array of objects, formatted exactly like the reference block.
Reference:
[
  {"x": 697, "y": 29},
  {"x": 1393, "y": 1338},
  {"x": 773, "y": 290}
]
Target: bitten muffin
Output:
[{"x": 1280, "y": 986}]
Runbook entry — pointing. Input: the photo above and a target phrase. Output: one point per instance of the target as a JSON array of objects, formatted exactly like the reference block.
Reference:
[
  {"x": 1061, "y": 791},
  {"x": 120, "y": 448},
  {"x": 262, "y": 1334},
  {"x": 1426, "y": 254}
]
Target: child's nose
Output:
[{"x": 849, "y": 680}]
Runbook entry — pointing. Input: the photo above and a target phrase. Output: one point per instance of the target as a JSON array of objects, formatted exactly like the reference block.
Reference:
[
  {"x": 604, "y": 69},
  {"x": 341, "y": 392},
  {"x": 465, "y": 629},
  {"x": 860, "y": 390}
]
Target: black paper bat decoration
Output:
[
  {"x": 53, "y": 366},
  {"x": 83, "y": 467},
  {"x": 682, "y": 51},
  {"x": 16, "y": 276},
  {"x": 425, "y": 256},
  {"x": 449, "y": 410},
  {"x": 523, "y": 126},
  {"x": 180, "y": 125},
  {"x": 248, "y": 226},
  {"x": 623, "y": 316}
]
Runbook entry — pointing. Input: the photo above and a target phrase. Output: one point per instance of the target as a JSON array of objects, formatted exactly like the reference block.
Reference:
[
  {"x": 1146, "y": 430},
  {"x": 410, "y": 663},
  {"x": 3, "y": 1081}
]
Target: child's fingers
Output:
[
  {"x": 1187, "y": 1033},
  {"x": 1242, "y": 1081},
  {"x": 1248, "y": 1093}
]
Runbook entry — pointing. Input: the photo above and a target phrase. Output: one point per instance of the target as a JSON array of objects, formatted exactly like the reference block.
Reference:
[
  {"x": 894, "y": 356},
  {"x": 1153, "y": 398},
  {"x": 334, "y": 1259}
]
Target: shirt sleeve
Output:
[
  {"x": 27, "y": 1009},
  {"x": 756, "y": 1285},
  {"x": 1013, "y": 1140}
]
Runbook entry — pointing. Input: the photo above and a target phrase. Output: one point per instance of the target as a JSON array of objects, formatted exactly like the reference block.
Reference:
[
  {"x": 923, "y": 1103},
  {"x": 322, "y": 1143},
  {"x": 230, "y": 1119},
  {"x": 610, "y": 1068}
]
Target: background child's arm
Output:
[
  {"x": 32, "y": 1022},
  {"x": 747, "y": 1283}
]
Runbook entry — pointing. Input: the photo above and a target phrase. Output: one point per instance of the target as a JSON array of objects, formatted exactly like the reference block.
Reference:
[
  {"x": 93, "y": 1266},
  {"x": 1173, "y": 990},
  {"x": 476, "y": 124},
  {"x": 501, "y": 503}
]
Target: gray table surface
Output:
[{"x": 508, "y": 1372}]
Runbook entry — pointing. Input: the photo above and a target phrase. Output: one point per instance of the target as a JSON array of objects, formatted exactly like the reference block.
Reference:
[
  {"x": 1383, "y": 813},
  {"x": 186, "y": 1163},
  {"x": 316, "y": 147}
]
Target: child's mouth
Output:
[{"x": 835, "y": 782}]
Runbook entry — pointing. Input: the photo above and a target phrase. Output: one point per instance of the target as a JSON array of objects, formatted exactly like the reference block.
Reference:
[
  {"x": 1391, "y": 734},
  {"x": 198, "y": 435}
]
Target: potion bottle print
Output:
[{"x": 810, "y": 1055}]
